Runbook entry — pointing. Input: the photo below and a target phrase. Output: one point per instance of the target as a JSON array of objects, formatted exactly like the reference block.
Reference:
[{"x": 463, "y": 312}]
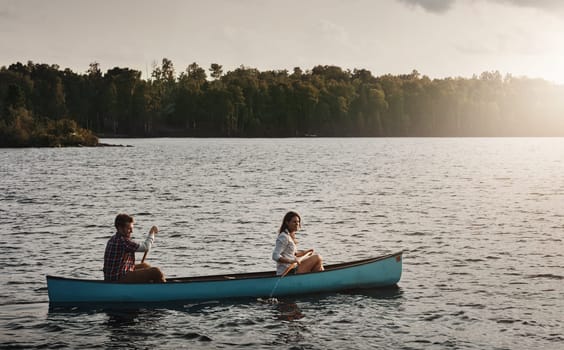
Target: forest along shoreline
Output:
[{"x": 43, "y": 105}]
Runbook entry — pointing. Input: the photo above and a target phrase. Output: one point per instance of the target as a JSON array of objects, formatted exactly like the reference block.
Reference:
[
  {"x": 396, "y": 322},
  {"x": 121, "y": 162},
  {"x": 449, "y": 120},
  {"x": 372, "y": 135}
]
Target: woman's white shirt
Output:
[{"x": 285, "y": 247}]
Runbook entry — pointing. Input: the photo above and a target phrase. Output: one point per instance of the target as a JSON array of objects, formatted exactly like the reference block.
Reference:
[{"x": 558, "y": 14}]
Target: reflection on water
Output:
[
  {"x": 140, "y": 324},
  {"x": 289, "y": 321},
  {"x": 391, "y": 292},
  {"x": 124, "y": 318},
  {"x": 294, "y": 332},
  {"x": 289, "y": 311}
]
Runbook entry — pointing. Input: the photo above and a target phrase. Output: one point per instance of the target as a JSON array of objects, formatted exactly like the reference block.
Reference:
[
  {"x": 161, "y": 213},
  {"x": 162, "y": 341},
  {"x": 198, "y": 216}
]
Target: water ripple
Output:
[{"x": 480, "y": 221}]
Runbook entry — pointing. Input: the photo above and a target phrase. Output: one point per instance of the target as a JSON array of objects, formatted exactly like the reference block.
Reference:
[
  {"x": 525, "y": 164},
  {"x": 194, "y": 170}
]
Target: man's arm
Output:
[{"x": 148, "y": 243}]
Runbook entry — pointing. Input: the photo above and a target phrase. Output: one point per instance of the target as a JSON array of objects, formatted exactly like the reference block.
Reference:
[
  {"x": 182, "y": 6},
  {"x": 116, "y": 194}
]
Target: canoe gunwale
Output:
[{"x": 244, "y": 276}]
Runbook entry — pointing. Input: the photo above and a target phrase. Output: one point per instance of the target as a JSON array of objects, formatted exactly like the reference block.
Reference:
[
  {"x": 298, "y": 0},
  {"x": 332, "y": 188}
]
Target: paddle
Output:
[
  {"x": 153, "y": 230},
  {"x": 144, "y": 256},
  {"x": 288, "y": 269}
]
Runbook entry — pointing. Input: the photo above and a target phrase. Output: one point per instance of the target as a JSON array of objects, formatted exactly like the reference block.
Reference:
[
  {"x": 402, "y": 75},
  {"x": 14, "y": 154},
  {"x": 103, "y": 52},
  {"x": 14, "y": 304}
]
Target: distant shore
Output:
[{"x": 42, "y": 105}]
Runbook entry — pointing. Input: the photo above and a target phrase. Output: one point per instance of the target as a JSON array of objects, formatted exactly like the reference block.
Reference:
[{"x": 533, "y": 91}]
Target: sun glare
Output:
[{"x": 551, "y": 65}]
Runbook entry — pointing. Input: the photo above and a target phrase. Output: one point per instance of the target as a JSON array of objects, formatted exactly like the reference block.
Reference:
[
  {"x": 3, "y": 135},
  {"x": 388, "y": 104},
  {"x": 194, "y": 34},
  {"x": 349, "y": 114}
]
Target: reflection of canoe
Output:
[{"x": 377, "y": 272}]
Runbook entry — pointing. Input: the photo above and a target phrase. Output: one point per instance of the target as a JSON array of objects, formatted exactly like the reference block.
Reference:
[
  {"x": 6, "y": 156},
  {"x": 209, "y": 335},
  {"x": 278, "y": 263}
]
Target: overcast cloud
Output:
[
  {"x": 440, "y": 6},
  {"x": 439, "y": 38}
]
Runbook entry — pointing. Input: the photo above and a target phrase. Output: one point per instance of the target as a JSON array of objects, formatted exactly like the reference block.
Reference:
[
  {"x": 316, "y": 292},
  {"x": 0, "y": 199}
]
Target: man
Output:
[{"x": 119, "y": 258}]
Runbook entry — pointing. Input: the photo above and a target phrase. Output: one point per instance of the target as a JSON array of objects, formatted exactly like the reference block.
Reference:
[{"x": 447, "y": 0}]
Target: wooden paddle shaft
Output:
[
  {"x": 288, "y": 269},
  {"x": 293, "y": 265}
]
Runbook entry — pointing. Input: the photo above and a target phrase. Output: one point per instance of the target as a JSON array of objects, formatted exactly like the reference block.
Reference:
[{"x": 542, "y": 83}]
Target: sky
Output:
[{"x": 438, "y": 38}]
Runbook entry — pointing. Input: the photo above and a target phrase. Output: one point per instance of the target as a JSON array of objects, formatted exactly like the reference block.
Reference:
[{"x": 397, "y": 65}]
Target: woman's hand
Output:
[
  {"x": 304, "y": 252},
  {"x": 302, "y": 255}
]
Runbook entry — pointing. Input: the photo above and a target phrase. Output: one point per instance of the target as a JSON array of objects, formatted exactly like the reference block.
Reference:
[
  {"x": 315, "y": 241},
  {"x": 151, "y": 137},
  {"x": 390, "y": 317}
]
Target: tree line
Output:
[{"x": 246, "y": 102}]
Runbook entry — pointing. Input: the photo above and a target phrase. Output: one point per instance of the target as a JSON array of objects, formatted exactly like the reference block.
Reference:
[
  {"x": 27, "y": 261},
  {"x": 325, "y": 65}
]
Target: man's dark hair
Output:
[{"x": 123, "y": 219}]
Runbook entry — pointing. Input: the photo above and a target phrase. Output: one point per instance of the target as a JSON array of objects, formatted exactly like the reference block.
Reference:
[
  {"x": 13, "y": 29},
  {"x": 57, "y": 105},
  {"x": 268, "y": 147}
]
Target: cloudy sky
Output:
[{"x": 439, "y": 38}]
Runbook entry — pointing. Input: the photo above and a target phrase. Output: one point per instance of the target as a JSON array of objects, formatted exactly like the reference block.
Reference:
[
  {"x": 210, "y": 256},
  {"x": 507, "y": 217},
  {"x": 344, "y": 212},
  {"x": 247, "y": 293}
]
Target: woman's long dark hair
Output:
[{"x": 289, "y": 216}]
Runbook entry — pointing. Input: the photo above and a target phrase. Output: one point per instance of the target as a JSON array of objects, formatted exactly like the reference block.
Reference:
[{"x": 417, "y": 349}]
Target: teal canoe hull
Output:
[{"x": 383, "y": 271}]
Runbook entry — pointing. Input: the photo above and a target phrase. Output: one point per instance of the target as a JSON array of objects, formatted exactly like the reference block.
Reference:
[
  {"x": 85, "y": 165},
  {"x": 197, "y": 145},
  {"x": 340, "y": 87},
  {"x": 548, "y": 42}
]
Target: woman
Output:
[{"x": 286, "y": 253}]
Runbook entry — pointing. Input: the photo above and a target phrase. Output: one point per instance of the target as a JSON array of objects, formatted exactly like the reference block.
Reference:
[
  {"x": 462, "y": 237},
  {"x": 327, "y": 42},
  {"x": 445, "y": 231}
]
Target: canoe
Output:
[{"x": 383, "y": 271}]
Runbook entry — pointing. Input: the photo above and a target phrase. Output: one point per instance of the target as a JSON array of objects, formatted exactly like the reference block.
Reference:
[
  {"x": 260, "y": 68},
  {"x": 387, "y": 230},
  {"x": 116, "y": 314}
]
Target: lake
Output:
[{"x": 481, "y": 221}]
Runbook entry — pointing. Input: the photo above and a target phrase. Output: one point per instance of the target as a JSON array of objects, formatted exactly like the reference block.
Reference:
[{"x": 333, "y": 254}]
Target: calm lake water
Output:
[{"x": 481, "y": 222}]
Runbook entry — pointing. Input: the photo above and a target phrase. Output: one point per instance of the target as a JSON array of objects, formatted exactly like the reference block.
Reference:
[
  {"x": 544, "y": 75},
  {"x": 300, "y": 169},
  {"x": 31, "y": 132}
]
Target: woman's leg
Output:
[{"x": 311, "y": 264}]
